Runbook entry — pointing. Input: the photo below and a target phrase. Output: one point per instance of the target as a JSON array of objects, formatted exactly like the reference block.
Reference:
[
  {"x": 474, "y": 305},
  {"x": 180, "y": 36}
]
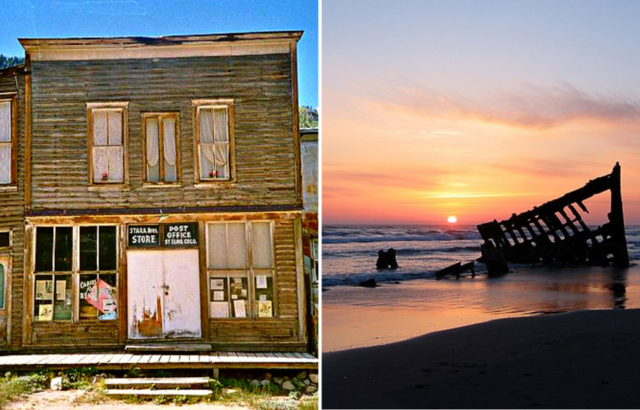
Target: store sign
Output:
[
  {"x": 181, "y": 234},
  {"x": 144, "y": 235}
]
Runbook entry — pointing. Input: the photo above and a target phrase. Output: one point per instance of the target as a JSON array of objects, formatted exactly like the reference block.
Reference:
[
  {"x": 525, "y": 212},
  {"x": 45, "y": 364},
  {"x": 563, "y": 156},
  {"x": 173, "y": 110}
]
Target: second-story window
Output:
[
  {"x": 7, "y": 142},
  {"x": 214, "y": 119},
  {"x": 162, "y": 147},
  {"x": 107, "y": 129}
]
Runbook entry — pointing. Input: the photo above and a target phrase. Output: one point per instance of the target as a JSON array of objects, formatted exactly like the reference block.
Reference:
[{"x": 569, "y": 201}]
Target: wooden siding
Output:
[
  {"x": 83, "y": 334},
  {"x": 12, "y": 218},
  {"x": 266, "y": 150}
]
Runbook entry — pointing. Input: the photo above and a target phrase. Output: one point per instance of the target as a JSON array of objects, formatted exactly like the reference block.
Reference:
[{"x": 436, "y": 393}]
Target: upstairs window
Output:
[
  {"x": 162, "y": 147},
  {"x": 107, "y": 141},
  {"x": 214, "y": 139},
  {"x": 8, "y": 140}
]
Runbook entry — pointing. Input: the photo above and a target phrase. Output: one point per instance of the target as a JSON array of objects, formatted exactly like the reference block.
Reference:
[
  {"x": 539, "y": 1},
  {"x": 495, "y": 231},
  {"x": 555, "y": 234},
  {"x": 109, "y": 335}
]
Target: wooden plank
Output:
[
  {"x": 165, "y": 358},
  {"x": 126, "y": 359},
  {"x": 135, "y": 392},
  {"x": 155, "y": 358},
  {"x": 193, "y": 358},
  {"x": 159, "y": 381},
  {"x": 106, "y": 358},
  {"x": 145, "y": 359},
  {"x": 174, "y": 359}
]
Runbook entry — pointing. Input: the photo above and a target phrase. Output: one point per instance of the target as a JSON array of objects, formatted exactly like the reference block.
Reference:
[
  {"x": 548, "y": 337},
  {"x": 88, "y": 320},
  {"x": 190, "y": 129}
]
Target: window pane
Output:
[
  {"x": 218, "y": 298},
  {"x": 5, "y": 163},
  {"x": 170, "y": 149},
  {"x": 116, "y": 164},
  {"x": 5, "y": 239},
  {"x": 88, "y": 296},
  {"x": 261, "y": 247},
  {"x": 115, "y": 127},
  {"x": 5, "y": 121},
  {"x": 239, "y": 296},
  {"x": 108, "y": 248},
  {"x": 264, "y": 296},
  {"x": 64, "y": 248},
  {"x": 101, "y": 164},
  {"x": 43, "y": 306},
  {"x": 88, "y": 248},
  {"x": 153, "y": 154},
  {"x": 63, "y": 303},
  {"x": 44, "y": 249},
  {"x": 217, "y": 246},
  {"x": 237, "y": 247},
  {"x": 108, "y": 296},
  {"x": 2, "y": 285},
  {"x": 207, "y": 159},
  {"x": 100, "y": 128}
]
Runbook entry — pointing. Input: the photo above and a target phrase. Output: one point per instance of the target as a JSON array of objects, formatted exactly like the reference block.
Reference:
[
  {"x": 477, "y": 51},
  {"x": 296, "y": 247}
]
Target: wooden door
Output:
[{"x": 163, "y": 294}]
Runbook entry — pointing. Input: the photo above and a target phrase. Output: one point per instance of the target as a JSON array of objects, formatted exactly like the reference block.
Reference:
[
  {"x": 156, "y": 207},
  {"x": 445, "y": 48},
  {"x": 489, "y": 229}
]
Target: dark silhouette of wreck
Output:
[{"x": 555, "y": 234}]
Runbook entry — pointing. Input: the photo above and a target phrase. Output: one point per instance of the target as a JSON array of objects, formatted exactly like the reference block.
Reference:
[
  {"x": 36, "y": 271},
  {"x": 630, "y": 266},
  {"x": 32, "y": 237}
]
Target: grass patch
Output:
[{"x": 14, "y": 386}]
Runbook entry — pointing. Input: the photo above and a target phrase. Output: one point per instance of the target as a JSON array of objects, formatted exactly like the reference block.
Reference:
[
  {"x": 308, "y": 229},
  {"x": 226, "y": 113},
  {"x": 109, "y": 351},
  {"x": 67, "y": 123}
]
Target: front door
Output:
[{"x": 163, "y": 289}]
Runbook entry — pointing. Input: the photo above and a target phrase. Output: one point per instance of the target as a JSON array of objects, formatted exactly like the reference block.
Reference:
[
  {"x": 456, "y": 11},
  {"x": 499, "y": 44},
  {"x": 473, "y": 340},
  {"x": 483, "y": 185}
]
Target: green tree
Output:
[
  {"x": 6, "y": 62},
  {"x": 308, "y": 117}
]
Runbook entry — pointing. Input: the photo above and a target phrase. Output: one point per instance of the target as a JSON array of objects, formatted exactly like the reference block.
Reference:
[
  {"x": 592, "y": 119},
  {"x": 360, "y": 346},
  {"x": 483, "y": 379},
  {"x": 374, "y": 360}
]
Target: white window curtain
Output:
[
  {"x": 108, "y": 151},
  {"x": 221, "y": 142},
  {"x": 214, "y": 143},
  {"x": 5, "y": 142},
  {"x": 153, "y": 152},
  {"x": 170, "y": 149},
  {"x": 227, "y": 246}
]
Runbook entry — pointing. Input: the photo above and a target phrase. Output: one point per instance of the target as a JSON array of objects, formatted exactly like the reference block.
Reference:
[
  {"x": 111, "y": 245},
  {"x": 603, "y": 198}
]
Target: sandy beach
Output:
[{"x": 586, "y": 359}]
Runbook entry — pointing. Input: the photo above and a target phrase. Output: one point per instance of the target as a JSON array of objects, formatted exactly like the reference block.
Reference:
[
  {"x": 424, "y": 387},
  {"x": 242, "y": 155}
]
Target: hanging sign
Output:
[
  {"x": 144, "y": 235},
  {"x": 180, "y": 234}
]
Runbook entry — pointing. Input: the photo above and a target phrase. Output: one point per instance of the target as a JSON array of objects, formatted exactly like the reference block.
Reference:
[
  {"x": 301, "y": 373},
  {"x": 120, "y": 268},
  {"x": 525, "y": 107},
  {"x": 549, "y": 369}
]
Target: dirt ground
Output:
[{"x": 80, "y": 399}]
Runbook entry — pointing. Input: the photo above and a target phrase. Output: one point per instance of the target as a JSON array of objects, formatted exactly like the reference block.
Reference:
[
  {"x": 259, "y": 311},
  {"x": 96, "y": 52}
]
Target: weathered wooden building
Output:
[
  {"x": 155, "y": 194},
  {"x": 310, "y": 233}
]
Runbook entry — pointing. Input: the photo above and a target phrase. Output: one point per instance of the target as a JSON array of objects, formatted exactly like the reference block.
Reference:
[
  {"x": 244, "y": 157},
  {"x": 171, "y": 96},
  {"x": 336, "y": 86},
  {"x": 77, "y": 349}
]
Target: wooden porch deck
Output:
[{"x": 124, "y": 361}]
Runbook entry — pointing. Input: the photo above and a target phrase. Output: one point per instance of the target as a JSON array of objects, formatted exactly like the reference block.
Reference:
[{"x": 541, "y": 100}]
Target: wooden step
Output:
[
  {"x": 169, "y": 382},
  {"x": 135, "y": 392},
  {"x": 169, "y": 347}
]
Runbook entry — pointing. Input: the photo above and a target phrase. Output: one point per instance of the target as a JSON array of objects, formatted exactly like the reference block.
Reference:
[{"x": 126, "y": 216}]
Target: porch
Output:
[{"x": 124, "y": 361}]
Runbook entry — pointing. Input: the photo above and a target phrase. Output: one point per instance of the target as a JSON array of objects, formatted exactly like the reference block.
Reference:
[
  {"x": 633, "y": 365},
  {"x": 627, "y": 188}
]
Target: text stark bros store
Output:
[{"x": 154, "y": 193}]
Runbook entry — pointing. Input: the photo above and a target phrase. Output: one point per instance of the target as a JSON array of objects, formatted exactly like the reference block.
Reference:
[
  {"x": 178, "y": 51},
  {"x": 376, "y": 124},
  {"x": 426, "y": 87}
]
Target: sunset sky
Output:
[{"x": 477, "y": 109}]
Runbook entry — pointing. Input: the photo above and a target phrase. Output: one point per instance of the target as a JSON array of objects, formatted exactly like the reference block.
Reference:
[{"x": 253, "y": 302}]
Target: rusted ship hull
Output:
[{"x": 554, "y": 233}]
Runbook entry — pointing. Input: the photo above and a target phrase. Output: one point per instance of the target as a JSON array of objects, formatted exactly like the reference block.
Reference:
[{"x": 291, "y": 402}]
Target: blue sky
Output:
[
  {"x": 116, "y": 18},
  {"x": 476, "y": 108}
]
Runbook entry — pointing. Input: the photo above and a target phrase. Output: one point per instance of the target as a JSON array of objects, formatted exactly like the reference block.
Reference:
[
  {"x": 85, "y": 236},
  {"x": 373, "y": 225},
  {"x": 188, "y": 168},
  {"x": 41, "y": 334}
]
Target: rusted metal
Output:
[{"x": 555, "y": 233}]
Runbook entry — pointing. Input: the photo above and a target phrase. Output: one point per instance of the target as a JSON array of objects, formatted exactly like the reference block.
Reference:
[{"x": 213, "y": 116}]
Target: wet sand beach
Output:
[{"x": 586, "y": 359}]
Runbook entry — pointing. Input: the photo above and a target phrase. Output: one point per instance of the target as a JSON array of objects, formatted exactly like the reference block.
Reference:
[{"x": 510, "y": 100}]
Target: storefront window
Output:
[
  {"x": 240, "y": 268},
  {"x": 97, "y": 277}
]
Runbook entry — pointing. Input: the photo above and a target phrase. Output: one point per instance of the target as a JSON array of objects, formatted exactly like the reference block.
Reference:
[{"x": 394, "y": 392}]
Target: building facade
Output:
[{"x": 158, "y": 194}]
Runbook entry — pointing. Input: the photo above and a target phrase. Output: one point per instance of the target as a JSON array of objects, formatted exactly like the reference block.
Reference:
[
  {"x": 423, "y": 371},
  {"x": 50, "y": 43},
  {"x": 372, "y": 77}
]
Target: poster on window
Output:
[
  {"x": 45, "y": 312},
  {"x": 61, "y": 289},
  {"x": 102, "y": 296},
  {"x": 265, "y": 308}
]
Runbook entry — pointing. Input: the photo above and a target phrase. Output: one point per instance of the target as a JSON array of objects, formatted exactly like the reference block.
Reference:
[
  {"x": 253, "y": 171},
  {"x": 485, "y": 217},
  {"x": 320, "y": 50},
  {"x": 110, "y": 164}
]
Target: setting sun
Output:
[{"x": 452, "y": 219}]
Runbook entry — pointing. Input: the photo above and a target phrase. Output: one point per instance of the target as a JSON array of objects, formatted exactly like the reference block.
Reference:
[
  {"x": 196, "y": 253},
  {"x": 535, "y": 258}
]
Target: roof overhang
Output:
[{"x": 114, "y": 48}]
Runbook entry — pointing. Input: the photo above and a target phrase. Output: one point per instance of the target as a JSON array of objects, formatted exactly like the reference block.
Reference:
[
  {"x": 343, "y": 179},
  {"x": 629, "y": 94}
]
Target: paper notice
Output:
[
  {"x": 45, "y": 312},
  {"x": 61, "y": 289},
  {"x": 219, "y": 309},
  {"x": 263, "y": 298},
  {"x": 218, "y": 295},
  {"x": 265, "y": 309},
  {"x": 217, "y": 284},
  {"x": 44, "y": 289},
  {"x": 261, "y": 282},
  {"x": 239, "y": 308}
]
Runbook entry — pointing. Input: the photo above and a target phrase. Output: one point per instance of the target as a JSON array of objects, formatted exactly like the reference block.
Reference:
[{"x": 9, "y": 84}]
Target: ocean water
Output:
[
  {"x": 349, "y": 253},
  {"x": 411, "y": 302}
]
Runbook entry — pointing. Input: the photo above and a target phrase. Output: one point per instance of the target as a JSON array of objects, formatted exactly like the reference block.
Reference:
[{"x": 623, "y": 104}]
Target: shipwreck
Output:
[{"x": 555, "y": 233}]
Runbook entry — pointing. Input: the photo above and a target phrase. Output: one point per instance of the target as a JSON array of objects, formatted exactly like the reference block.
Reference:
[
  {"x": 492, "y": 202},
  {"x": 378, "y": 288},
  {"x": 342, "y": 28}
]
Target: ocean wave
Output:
[{"x": 439, "y": 236}]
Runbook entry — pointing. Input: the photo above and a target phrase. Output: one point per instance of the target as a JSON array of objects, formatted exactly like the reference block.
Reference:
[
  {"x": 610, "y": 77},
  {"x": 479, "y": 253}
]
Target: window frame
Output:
[
  {"x": 6, "y": 261},
  {"x": 198, "y": 105},
  {"x": 160, "y": 116},
  {"x": 113, "y": 106},
  {"x": 75, "y": 272},
  {"x": 12, "y": 98},
  {"x": 249, "y": 272}
]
